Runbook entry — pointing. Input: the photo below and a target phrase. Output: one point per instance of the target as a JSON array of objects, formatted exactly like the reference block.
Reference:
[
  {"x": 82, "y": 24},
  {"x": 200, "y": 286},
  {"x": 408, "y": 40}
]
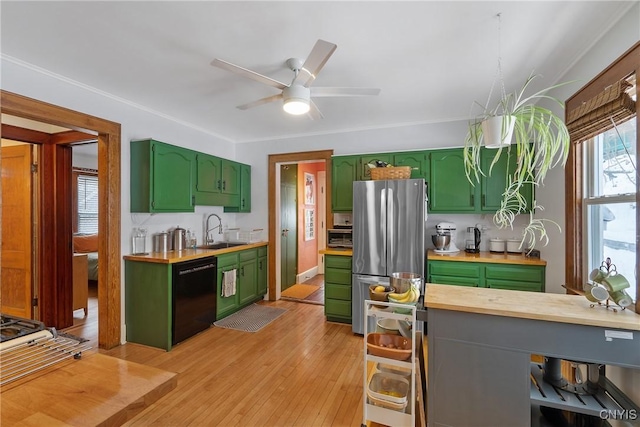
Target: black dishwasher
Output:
[{"x": 194, "y": 297}]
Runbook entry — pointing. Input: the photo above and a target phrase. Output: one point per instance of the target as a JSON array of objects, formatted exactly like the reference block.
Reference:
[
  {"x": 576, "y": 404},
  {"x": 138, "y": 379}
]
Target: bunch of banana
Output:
[{"x": 409, "y": 296}]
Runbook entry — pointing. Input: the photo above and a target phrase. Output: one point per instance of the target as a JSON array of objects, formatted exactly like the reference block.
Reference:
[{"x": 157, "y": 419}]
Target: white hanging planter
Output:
[{"x": 497, "y": 131}]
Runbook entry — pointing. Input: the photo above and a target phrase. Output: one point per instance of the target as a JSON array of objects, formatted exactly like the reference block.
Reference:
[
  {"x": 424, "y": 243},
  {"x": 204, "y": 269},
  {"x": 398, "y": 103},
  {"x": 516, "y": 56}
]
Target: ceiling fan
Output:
[{"x": 297, "y": 95}]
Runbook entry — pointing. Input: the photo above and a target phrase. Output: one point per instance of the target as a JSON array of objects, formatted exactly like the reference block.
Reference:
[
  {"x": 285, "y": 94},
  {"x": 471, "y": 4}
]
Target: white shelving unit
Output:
[{"x": 407, "y": 417}]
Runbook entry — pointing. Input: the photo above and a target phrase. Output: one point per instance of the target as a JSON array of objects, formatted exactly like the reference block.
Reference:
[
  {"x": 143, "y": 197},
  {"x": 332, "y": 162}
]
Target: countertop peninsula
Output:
[
  {"x": 550, "y": 307},
  {"x": 487, "y": 257},
  {"x": 171, "y": 257}
]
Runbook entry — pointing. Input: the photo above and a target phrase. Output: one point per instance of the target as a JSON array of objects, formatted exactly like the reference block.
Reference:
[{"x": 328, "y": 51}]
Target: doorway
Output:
[
  {"x": 54, "y": 251},
  {"x": 275, "y": 244}
]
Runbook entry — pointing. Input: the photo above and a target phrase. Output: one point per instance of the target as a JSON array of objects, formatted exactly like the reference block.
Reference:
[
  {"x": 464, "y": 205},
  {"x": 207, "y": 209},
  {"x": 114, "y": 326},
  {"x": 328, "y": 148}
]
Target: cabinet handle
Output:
[
  {"x": 193, "y": 200},
  {"x": 243, "y": 203},
  {"x": 242, "y": 271},
  {"x": 224, "y": 185},
  {"x": 484, "y": 201},
  {"x": 260, "y": 265},
  {"x": 219, "y": 185},
  {"x": 472, "y": 200}
]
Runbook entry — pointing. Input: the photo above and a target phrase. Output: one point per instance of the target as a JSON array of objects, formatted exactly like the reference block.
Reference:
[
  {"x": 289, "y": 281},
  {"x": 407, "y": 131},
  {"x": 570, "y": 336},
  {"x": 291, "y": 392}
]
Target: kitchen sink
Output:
[{"x": 221, "y": 245}]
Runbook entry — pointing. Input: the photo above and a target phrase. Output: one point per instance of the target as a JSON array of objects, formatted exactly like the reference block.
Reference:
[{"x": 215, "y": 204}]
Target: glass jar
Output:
[{"x": 139, "y": 241}]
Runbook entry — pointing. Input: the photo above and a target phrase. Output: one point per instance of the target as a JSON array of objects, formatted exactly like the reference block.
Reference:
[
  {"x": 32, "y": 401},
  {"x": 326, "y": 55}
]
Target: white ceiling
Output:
[{"x": 431, "y": 59}]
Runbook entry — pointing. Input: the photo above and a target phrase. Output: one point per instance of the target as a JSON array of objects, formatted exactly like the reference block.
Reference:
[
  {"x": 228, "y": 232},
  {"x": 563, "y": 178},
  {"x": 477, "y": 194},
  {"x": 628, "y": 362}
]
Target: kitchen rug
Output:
[
  {"x": 299, "y": 291},
  {"x": 251, "y": 318}
]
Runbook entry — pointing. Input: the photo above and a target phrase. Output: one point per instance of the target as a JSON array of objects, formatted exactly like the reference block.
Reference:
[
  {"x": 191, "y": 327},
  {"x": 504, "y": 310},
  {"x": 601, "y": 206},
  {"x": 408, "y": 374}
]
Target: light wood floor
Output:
[{"x": 297, "y": 371}]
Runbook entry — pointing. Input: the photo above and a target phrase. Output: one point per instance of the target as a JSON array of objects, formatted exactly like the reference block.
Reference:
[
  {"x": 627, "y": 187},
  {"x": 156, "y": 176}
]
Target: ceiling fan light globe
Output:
[
  {"x": 296, "y": 106},
  {"x": 296, "y": 100}
]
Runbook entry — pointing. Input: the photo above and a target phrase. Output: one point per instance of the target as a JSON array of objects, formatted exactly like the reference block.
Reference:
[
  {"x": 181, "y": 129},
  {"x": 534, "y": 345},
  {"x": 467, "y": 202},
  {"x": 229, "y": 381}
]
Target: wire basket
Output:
[{"x": 398, "y": 172}]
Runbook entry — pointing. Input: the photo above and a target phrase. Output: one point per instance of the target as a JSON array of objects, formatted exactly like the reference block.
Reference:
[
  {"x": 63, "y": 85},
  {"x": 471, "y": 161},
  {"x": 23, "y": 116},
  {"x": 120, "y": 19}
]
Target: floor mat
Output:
[
  {"x": 299, "y": 291},
  {"x": 251, "y": 318}
]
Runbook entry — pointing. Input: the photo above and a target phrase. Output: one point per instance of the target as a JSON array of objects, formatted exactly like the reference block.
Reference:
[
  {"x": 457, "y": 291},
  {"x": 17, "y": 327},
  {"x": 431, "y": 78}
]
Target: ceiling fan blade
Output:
[
  {"x": 247, "y": 73},
  {"x": 344, "y": 91},
  {"x": 314, "y": 112},
  {"x": 319, "y": 56},
  {"x": 262, "y": 101}
]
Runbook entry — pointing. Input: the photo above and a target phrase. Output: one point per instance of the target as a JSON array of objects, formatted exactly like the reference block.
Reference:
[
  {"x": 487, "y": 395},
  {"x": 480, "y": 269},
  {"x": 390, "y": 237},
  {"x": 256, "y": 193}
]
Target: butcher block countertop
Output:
[
  {"x": 562, "y": 308},
  {"x": 172, "y": 257},
  {"x": 96, "y": 390},
  {"x": 489, "y": 257},
  {"x": 337, "y": 251}
]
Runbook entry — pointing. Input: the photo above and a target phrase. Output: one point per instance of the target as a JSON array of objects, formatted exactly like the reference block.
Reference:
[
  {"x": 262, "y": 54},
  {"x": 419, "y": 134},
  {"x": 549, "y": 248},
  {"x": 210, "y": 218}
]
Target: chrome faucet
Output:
[{"x": 207, "y": 239}]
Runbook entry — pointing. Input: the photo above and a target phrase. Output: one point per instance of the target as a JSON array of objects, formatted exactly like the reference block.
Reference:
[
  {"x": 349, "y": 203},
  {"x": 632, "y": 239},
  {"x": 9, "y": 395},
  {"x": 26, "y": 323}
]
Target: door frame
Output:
[
  {"x": 109, "y": 210},
  {"x": 274, "y": 234}
]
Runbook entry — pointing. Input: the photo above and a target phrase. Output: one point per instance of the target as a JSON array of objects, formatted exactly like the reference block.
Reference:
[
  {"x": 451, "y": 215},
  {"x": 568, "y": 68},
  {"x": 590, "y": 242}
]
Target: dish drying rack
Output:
[{"x": 241, "y": 235}]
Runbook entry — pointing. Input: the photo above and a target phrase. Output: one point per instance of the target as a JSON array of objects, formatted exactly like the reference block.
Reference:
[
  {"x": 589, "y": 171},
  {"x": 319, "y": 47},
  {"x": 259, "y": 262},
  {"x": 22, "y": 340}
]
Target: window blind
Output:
[
  {"x": 594, "y": 116},
  {"x": 87, "y": 204}
]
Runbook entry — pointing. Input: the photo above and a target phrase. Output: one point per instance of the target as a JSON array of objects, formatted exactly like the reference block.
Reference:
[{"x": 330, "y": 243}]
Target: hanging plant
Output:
[{"x": 539, "y": 141}]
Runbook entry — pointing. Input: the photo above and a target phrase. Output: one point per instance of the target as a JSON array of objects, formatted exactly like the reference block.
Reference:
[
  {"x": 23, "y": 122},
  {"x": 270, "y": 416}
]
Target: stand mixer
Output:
[{"x": 447, "y": 229}]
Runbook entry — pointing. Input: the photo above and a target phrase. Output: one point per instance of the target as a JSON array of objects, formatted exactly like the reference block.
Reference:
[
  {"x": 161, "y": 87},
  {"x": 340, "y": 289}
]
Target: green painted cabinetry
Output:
[
  {"x": 449, "y": 188},
  {"x": 262, "y": 271},
  {"x": 494, "y": 183},
  {"x": 417, "y": 161},
  {"x": 345, "y": 170},
  {"x": 162, "y": 177},
  {"x": 249, "y": 287},
  {"x": 217, "y": 181},
  {"x": 337, "y": 288},
  {"x": 487, "y": 275},
  {"x": 364, "y": 171},
  {"x": 244, "y": 201}
]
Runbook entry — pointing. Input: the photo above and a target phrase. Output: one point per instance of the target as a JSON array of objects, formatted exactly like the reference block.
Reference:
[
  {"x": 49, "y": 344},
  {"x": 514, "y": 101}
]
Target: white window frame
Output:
[{"x": 86, "y": 177}]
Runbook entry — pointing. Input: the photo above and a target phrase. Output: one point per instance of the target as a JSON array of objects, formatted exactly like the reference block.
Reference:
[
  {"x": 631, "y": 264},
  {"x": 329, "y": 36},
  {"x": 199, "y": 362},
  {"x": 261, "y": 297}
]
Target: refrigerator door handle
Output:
[
  {"x": 390, "y": 223},
  {"x": 383, "y": 226}
]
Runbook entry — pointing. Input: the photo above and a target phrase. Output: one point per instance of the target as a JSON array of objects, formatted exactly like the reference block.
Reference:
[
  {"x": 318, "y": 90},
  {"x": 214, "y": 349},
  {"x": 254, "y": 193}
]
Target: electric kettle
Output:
[{"x": 472, "y": 240}]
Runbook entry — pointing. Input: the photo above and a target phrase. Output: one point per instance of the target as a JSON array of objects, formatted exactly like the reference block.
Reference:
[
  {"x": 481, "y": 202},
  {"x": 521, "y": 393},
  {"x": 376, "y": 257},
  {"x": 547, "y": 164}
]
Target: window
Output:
[
  {"x": 87, "y": 191},
  {"x": 601, "y": 177},
  {"x": 609, "y": 225}
]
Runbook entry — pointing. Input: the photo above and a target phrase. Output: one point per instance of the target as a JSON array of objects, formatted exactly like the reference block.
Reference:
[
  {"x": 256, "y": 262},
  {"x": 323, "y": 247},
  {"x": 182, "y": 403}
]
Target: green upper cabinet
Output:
[
  {"x": 208, "y": 184},
  {"x": 449, "y": 188},
  {"x": 344, "y": 171},
  {"x": 217, "y": 181},
  {"x": 417, "y": 161},
  {"x": 244, "y": 202},
  {"x": 493, "y": 186},
  {"x": 162, "y": 177}
]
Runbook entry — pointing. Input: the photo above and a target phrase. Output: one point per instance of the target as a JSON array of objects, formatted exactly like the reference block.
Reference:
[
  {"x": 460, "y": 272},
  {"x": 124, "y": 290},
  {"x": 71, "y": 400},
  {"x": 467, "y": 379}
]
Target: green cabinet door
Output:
[
  {"x": 226, "y": 305},
  {"x": 148, "y": 305},
  {"x": 494, "y": 184},
  {"x": 247, "y": 276},
  {"x": 449, "y": 188},
  {"x": 364, "y": 172},
  {"x": 263, "y": 277},
  {"x": 344, "y": 172},
  {"x": 337, "y": 285},
  {"x": 208, "y": 179},
  {"x": 244, "y": 202},
  {"x": 162, "y": 177},
  {"x": 417, "y": 161},
  {"x": 230, "y": 177}
]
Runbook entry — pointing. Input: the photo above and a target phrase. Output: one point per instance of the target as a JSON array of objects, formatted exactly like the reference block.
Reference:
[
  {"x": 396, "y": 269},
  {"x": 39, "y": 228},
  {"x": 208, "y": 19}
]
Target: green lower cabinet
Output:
[
  {"x": 263, "y": 270},
  {"x": 226, "y": 305},
  {"x": 487, "y": 275},
  {"x": 248, "y": 277},
  {"x": 147, "y": 298},
  {"x": 251, "y": 279},
  {"x": 337, "y": 288}
]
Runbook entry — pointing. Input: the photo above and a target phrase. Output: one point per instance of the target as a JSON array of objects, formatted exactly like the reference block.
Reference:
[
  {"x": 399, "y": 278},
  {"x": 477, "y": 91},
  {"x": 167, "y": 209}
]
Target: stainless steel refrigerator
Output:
[{"x": 388, "y": 236}]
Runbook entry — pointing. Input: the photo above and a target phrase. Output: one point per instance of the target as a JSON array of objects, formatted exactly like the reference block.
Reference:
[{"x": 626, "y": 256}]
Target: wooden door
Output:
[
  {"x": 288, "y": 226},
  {"x": 16, "y": 263}
]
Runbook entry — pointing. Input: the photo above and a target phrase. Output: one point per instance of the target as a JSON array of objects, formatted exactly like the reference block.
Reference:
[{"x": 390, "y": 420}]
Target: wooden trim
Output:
[
  {"x": 24, "y": 135},
  {"x": 626, "y": 65},
  {"x": 274, "y": 233},
  {"x": 109, "y": 210},
  {"x": 72, "y": 136}
]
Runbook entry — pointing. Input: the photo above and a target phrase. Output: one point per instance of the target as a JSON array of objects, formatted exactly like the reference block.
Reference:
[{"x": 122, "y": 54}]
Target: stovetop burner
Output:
[{"x": 14, "y": 327}]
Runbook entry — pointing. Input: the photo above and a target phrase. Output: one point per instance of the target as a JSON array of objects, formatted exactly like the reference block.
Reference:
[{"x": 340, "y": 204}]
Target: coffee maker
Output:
[{"x": 472, "y": 240}]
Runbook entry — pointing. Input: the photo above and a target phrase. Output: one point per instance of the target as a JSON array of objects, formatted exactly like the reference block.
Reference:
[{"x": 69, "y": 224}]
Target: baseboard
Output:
[{"x": 306, "y": 275}]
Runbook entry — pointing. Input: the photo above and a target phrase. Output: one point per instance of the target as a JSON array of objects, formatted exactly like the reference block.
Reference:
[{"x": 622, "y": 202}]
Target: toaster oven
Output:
[{"x": 340, "y": 238}]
